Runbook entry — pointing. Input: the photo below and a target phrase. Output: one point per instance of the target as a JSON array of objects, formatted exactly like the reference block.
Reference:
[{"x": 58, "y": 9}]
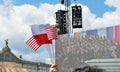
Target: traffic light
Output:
[
  {"x": 76, "y": 16},
  {"x": 61, "y": 21}
]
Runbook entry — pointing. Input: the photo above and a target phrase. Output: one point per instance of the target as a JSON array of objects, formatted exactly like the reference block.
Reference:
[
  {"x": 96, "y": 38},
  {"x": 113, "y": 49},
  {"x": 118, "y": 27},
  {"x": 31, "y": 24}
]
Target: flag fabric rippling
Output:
[
  {"x": 32, "y": 43},
  {"x": 39, "y": 36},
  {"x": 52, "y": 33}
]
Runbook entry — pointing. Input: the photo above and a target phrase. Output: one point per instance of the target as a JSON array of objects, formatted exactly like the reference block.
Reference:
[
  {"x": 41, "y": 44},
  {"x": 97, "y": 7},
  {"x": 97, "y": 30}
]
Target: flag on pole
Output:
[
  {"x": 33, "y": 43},
  {"x": 117, "y": 33},
  {"x": 52, "y": 33},
  {"x": 76, "y": 34},
  {"x": 39, "y": 36},
  {"x": 39, "y": 32}
]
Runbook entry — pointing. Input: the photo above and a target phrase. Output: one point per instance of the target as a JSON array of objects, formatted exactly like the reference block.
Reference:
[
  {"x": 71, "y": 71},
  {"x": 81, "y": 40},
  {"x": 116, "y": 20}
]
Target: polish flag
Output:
[{"x": 40, "y": 36}]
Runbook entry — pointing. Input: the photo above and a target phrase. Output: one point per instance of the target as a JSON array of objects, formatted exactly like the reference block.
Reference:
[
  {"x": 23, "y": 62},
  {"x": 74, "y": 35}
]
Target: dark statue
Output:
[{"x": 6, "y": 42}]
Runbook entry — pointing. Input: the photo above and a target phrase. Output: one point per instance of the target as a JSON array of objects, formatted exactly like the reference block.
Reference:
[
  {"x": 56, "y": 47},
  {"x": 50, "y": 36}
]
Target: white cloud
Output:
[
  {"x": 34, "y": 56},
  {"x": 108, "y": 18},
  {"x": 17, "y": 20},
  {"x": 48, "y": 61},
  {"x": 7, "y": 2},
  {"x": 17, "y": 53},
  {"x": 88, "y": 17},
  {"x": 15, "y": 24},
  {"x": 38, "y": 57},
  {"x": 114, "y": 3}
]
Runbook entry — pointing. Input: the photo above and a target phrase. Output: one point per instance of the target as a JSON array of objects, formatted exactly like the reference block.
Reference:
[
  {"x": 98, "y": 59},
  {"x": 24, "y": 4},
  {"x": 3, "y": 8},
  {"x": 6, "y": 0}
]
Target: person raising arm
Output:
[{"x": 53, "y": 68}]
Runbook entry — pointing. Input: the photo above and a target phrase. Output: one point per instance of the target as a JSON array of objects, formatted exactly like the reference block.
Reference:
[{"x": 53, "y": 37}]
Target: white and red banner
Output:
[{"x": 42, "y": 34}]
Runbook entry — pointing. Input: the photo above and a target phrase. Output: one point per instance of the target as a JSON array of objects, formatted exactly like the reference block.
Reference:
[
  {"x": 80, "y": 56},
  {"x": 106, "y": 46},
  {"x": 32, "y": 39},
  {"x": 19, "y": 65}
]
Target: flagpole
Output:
[
  {"x": 49, "y": 52},
  {"x": 53, "y": 51},
  {"x": 43, "y": 34},
  {"x": 52, "y": 35},
  {"x": 52, "y": 54}
]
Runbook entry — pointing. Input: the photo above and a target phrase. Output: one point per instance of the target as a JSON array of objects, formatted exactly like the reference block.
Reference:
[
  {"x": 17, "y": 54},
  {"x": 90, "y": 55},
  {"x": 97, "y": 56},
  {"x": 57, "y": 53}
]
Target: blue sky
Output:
[
  {"x": 96, "y": 6},
  {"x": 18, "y": 15}
]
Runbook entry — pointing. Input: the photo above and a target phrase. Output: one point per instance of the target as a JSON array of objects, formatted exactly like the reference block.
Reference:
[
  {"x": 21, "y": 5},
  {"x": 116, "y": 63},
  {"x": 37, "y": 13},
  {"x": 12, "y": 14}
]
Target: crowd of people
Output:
[
  {"x": 72, "y": 51},
  {"x": 54, "y": 68},
  {"x": 99, "y": 47}
]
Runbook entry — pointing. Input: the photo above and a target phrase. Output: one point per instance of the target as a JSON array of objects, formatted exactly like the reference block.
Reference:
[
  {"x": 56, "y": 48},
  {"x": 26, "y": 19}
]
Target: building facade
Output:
[{"x": 7, "y": 56}]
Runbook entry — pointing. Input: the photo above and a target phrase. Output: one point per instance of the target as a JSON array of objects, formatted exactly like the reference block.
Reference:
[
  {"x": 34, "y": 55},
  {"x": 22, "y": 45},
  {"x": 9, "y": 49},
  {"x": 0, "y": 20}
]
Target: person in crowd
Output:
[
  {"x": 53, "y": 68},
  {"x": 88, "y": 69}
]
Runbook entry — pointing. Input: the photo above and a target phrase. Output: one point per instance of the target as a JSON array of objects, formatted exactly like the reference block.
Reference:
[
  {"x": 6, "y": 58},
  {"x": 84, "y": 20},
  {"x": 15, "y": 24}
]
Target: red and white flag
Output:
[
  {"x": 52, "y": 33},
  {"x": 76, "y": 34},
  {"x": 39, "y": 36},
  {"x": 33, "y": 43},
  {"x": 117, "y": 33}
]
